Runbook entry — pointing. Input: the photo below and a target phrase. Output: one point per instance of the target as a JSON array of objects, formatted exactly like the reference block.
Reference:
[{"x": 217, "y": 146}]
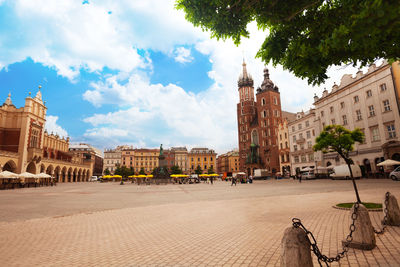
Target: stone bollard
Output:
[
  {"x": 393, "y": 211},
  {"x": 295, "y": 248},
  {"x": 363, "y": 236}
]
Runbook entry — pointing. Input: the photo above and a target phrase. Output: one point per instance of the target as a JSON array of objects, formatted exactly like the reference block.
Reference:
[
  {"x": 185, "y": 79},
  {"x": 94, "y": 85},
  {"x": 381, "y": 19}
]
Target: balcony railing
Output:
[{"x": 301, "y": 140}]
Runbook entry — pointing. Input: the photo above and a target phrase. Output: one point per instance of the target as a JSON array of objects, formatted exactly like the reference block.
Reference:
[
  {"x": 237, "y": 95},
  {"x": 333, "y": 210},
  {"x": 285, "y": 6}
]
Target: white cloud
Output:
[
  {"x": 182, "y": 55},
  {"x": 69, "y": 36},
  {"x": 52, "y": 126}
]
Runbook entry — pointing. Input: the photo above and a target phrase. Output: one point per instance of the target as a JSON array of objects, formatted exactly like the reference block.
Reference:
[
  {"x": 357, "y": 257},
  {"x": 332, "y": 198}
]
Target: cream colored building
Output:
[
  {"x": 112, "y": 158},
  {"x": 181, "y": 158},
  {"x": 25, "y": 146},
  {"x": 370, "y": 102},
  {"x": 301, "y": 140}
]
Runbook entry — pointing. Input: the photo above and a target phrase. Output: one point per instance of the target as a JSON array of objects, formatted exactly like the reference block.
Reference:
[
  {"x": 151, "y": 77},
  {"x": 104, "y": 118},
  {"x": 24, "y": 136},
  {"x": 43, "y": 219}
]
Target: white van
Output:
[{"x": 343, "y": 172}]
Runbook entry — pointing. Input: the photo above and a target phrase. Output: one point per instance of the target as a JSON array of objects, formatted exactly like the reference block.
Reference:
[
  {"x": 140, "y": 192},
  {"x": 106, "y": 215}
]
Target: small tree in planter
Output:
[{"x": 336, "y": 138}]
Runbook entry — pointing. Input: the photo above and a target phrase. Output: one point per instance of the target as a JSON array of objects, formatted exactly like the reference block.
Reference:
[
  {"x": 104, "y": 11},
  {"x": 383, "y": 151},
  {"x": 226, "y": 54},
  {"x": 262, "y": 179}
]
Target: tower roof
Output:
[
  {"x": 245, "y": 79},
  {"x": 267, "y": 84}
]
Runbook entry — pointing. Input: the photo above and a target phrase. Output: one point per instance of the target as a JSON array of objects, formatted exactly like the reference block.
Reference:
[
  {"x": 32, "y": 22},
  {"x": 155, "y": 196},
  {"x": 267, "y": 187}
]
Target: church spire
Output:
[{"x": 245, "y": 79}]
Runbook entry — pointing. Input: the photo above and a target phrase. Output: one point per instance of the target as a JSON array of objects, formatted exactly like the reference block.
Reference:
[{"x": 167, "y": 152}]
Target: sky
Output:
[{"x": 134, "y": 72}]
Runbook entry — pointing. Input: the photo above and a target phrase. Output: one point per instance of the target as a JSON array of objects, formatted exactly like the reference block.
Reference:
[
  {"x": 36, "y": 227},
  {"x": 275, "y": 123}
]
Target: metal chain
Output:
[
  {"x": 384, "y": 222},
  {"x": 314, "y": 247}
]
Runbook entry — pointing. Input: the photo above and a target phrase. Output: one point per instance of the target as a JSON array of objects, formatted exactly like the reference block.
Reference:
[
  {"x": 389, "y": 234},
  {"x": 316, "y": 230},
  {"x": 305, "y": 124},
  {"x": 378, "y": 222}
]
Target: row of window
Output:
[
  {"x": 359, "y": 116},
  {"x": 274, "y": 99},
  {"x": 386, "y": 107},
  {"x": 205, "y": 167},
  {"x": 309, "y": 145},
  {"x": 198, "y": 159},
  {"x": 303, "y": 158},
  {"x": 300, "y": 126},
  {"x": 265, "y": 113},
  {"x": 390, "y": 132},
  {"x": 308, "y": 135},
  {"x": 371, "y": 110}
]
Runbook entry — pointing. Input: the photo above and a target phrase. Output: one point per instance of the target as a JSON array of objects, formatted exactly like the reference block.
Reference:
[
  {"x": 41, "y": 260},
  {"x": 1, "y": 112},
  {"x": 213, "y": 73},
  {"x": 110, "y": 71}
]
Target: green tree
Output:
[
  {"x": 336, "y": 138},
  {"x": 142, "y": 172},
  {"x": 210, "y": 170},
  {"x": 176, "y": 170},
  {"x": 306, "y": 36},
  {"x": 107, "y": 172},
  {"x": 198, "y": 170}
]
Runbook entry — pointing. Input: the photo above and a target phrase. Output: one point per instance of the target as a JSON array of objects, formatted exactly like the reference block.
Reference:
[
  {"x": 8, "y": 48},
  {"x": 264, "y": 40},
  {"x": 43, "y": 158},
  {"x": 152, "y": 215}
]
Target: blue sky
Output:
[{"x": 131, "y": 72}]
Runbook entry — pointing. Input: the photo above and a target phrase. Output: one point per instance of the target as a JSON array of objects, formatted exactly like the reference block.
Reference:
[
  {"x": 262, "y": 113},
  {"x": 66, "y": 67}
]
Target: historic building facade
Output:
[
  {"x": 25, "y": 146},
  {"x": 228, "y": 162},
  {"x": 301, "y": 140},
  {"x": 203, "y": 157},
  {"x": 258, "y": 121},
  {"x": 146, "y": 159},
  {"x": 113, "y": 158},
  {"x": 181, "y": 158},
  {"x": 88, "y": 154},
  {"x": 370, "y": 102}
]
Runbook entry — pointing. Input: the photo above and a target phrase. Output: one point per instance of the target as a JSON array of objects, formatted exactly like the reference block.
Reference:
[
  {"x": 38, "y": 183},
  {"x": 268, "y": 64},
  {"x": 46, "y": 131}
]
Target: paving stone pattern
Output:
[{"x": 183, "y": 225}]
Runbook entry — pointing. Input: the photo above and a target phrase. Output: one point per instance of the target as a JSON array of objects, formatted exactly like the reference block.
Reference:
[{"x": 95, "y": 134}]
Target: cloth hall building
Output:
[{"x": 25, "y": 146}]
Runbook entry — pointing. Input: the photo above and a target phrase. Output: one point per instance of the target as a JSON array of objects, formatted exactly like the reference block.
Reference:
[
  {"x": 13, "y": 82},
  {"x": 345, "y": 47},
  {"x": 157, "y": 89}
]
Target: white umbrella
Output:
[
  {"x": 388, "y": 162},
  {"x": 27, "y": 175},
  {"x": 306, "y": 169},
  {"x": 7, "y": 174},
  {"x": 43, "y": 175}
]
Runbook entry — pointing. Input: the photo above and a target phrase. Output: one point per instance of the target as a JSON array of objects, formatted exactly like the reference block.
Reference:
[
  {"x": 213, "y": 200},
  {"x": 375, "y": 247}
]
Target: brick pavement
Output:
[{"x": 199, "y": 229}]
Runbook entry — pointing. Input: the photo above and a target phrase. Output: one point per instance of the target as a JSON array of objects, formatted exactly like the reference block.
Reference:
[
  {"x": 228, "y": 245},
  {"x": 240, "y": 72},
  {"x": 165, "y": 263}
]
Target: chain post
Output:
[
  {"x": 313, "y": 242},
  {"x": 384, "y": 222}
]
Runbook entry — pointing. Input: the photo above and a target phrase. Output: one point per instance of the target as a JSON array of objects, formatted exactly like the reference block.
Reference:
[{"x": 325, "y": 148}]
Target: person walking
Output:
[
  {"x": 299, "y": 178},
  {"x": 211, "y": 180},
  {"x": 233, "y": 181}
]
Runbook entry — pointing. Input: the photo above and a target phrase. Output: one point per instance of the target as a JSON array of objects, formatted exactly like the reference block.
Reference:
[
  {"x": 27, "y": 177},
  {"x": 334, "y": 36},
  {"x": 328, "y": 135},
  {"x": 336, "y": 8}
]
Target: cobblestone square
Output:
[{"x": 107, "y": 224}]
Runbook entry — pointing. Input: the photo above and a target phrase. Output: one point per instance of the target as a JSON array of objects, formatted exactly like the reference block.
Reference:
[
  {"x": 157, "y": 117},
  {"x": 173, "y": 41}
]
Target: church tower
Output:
[{"x": 258, "y": 124}]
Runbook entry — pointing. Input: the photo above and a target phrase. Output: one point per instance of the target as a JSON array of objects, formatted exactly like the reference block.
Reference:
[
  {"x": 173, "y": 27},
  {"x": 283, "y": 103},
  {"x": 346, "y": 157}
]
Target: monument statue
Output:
[{"x": 161, "y": 150}]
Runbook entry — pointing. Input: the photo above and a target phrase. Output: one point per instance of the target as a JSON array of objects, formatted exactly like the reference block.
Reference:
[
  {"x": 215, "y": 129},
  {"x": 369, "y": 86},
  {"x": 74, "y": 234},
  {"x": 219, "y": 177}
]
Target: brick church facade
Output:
[{"x": 258, "y": 121}]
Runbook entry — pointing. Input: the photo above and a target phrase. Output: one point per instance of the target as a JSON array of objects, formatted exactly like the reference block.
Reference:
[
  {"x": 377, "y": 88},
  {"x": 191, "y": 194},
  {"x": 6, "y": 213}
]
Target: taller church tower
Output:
[{"x": 258, "y": 124}]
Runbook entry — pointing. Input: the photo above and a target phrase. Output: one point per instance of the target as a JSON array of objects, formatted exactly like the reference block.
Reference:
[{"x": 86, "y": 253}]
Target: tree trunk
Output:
[{"x": 354, "y": 182}]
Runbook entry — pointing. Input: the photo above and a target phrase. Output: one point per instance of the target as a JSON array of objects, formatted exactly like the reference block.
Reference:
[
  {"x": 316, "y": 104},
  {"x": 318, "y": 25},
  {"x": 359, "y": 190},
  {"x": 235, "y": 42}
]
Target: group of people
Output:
[{"x": 243, "y": 180}]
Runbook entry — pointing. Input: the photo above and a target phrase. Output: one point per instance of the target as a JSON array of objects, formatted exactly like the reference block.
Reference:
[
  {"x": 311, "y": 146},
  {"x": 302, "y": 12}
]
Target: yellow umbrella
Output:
[
  {"x": 150, "y": 176},
  {"x": 107, "y": 176},
  {"x": 213, "y": 174},
  {"x": 116, "y": 176},
  {"x": 141, "y": 176}
]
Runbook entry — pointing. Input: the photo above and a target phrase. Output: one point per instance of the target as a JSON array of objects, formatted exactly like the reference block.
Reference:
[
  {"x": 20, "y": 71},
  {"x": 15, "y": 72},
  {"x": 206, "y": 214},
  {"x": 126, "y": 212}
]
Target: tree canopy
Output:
[
  {"x": 306, "y": 37},
  {"x": 176, "y": 170},
  {"x": 198, "y": 170},
  {"x": 336, "y": 138}
]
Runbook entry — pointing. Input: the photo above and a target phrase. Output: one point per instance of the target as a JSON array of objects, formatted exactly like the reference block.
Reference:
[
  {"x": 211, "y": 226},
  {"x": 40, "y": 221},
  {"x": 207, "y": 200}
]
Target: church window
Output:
[
  {"x": 254, "y": 137},
  {"x": 263, "y": 102}
]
